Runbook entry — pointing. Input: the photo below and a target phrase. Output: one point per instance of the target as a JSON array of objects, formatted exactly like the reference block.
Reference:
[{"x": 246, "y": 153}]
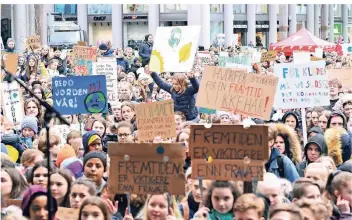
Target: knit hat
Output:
[
  {"x": 30, "y": 194},
  {"x": 93, "y": 138},
  {"x": 221, "y": 113},
  {"x": 103, "y": 47},
  {"x": 73, "y": 164},
  {"x": 64, "y": 153},
  {"x": 95, "y": 154},
  {"x": 30, "y": 122},
  {"x": 88, "y": 138}
]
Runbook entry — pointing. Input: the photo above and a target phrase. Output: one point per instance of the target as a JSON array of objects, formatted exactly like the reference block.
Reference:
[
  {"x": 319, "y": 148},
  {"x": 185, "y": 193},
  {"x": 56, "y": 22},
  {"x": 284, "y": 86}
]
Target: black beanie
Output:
[{"x": 95, "y": 154}]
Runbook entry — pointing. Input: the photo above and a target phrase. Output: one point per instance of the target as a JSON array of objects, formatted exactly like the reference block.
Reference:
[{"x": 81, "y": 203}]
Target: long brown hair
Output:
[
  {"x": 40, "y": 113},
  {"x": 30, "y": 70},
  {"x": 97, "y": 201},
  {"x": 182, "y": 80},
  {"x": 19, "y": 184}
]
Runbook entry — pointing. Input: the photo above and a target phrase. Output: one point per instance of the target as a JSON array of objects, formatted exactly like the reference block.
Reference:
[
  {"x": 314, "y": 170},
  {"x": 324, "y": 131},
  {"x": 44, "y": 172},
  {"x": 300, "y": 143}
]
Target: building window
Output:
[
  {"x": 135, "y": 8},
  {"x": 216, "y": 8},
  {"x": 134, "y": 33},
  {"x": 337, "y": 10},
  {"x": 301, "y": 9},
  {"x": 99, "y": 9},
  {"x": 169, "y": 8},
  {"x": 216, "y": 27},
  {"x": 239, "y": 8},
  {"x": 261, "y": 9},
  {"x": 67, "y": 9}
]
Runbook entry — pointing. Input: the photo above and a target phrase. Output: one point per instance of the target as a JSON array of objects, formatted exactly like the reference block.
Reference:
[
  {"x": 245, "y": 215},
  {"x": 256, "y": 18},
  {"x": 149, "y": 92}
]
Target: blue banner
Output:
[{"x": 80, "y": 94}]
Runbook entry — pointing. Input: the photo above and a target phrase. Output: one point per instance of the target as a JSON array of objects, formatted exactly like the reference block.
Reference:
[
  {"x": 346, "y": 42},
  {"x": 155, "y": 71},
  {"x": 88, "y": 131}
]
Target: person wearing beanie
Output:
[
  {"x": 94, "y": 166},
  {"x": 65, "y": 152},
  {"x": 74, "y": 165},
  {"x": 105, "y": 51},
  {"x": 36, "y": 196},
  {"x": 136, "y": 65},
  {"x": 225, "y": 117},
  {"x": 92, "y": 142},
  {"x": 314, "y": 130},
  {"x": 29, "y": 126}
]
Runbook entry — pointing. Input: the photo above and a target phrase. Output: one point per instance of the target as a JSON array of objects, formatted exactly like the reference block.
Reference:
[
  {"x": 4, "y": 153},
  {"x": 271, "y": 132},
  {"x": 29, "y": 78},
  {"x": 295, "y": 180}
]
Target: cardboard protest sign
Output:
[
  {"x": 316, "y": 59},
  {"x": 155, "y": 119},
  {"x": 217, "y": 153},
  {"x": 67, "y": 213},
  {"x": 82, "y": 59},
  {"x": 347, "y": 49},
  {"x": 62, "y": 132},
  {"x": 33, "y": 42},
  {"x": 301, "y": 85},
  {"x": 237, "y": 90},
  {"x": 109, "y": 69},
  {"x": 203, "y": 58},
  {"x": 301, "y": 57},
  {"x": 80, "y": 94},
  {"x": 344, "y": 75},
  {"x": 82, "y": 43},
  {"x": 12, "y": 103},
  {"x": 146, "y": 168},
  {"x": 10, "y": 62},
  {"x": 269, "y": 56},
  {"x": 174, "y": 49}
]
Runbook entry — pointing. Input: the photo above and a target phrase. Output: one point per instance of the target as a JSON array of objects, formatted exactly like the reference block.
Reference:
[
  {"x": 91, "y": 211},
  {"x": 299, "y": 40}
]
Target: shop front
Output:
[
  {"x": 262, "y": 29},
  {"x": 99, "y": 23}
]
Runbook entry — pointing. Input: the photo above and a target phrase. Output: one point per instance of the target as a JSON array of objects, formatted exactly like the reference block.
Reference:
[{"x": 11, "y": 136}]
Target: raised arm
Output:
[{"x": 161, "y": 83}]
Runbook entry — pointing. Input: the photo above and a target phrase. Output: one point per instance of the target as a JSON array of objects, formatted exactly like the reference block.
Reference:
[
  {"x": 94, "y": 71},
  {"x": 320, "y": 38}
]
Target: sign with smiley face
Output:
[{"x": 80, "y": 94}]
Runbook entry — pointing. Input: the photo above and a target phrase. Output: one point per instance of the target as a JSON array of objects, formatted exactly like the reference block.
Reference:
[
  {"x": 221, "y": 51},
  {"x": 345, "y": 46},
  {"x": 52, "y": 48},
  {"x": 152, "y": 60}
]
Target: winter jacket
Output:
[
  {"x": 123, "y": 63},
  {"x": 185, "y": 102},
  {"x": 85, "y": 140},
  {"x": 108, "y": 53},
  {"x": 339, "y": 143},
  {"x": 292, "y": 143},
  {"x": 130, "y": 61},
  {"x": 191, "y": 206},
  {"x": 62, "y": 66},
  {"x": 320, "y": 141},
  {"x": 145, "y": 51},
  {"x": 290, "y": 170}
]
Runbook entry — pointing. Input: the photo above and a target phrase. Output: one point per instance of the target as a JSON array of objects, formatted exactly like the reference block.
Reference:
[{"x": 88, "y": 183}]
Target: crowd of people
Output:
[{"x": 310, "y": 181}]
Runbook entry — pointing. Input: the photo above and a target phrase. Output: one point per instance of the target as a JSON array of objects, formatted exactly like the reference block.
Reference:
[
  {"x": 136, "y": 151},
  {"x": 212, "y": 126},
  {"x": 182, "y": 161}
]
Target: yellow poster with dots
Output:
[{"x": 174, "y": 49}]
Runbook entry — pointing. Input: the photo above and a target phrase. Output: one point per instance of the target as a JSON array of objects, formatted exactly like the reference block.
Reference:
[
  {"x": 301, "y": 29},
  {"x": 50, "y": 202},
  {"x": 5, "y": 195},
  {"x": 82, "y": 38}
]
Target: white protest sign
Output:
[
  {"x": 318, "y": 52},
  {"x": 12, "y": 103},
  {"x": 301, "y": 57},
  {"x": 347, "y": 49},
  {"x": 174, "y": 49},
  {"x": 109, "y": 69},
  {"x": 235, "y": 65},
  {"x": 235, "y": 39},
  {"x": 62, "y": 131},
  {"x": 301, "y": 85}
]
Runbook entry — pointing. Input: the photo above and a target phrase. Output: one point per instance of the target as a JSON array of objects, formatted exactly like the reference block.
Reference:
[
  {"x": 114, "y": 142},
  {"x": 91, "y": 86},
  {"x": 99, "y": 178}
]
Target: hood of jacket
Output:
[
  {"x": 335, "y": 114},
  {"x": 293, "y": 140},
  {"x": 339, "y": 144},
  {"x": 85, "y": 139},
  {"x": 316, "y": 129},
  {"x": 288, "y": 114},
  {"x": 319, "y": 140}
]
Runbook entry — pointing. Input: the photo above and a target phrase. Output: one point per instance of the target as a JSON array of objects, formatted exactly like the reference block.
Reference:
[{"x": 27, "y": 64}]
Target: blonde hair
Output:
[
  {"x": 29, "y": 155},
  {"x": 320, "y": 209},
  {"x": 172, "y": 204},
  {"x": 182, "y": 80},
  {"x": 249, "y": 201},
  {"x": 341, "y": 180},
  {"x": 327, "y": 158}
]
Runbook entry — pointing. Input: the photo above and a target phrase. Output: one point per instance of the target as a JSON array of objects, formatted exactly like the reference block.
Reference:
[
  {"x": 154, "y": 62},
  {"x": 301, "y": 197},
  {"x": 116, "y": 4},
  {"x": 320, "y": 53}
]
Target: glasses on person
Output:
[{"x": 124, "y": 134}]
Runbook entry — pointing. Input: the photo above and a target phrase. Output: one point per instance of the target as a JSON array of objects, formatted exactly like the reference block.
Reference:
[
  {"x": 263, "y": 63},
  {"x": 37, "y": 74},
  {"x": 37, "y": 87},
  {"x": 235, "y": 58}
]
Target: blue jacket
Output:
[
  {"x": 123, "y": 63},
  {"x": 185, "y": 102},
  {"x": 290, "y": 170},
  {"x": 108, "y": 53},
  {"x": 145, "y": 50}
]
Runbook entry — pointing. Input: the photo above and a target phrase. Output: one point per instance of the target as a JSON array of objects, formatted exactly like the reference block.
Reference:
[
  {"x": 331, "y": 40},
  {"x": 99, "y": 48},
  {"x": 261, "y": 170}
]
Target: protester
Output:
[{"x": 146, "y": 49}]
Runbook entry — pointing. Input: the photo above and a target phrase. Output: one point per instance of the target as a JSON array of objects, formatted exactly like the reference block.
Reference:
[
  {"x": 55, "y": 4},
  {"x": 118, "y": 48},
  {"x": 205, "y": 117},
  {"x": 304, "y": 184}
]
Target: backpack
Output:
[{"x": 280, "y": 164}]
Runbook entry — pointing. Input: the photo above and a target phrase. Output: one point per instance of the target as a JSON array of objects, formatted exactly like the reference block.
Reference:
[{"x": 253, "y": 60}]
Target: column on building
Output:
[
  {"x": 82, "y": 19},
  {"x": 292, "y": 8},
  {"x": 153, "y": 18},
  {"x": 205, "y": 25},
  {"x": 324, "y": 21},
  {"x": 194, "y": 17},
  {"x": 331, "y": 23},
  {"x": 310, "y": 18},
  {"x": 228, "y": 24},
  {"x": 251, "y": 32},
  {"x": 345, "y": 22},
  {"x": 283, "y": 21},
  {"x": 116, "y": 18},
  {"x": 316, "y": 20},
  {"x": 45, "y": 10},
  {"x": 20, "y": 25},
  {"x": 272, "y": 23},
  {"x": 31, "y": 19}
]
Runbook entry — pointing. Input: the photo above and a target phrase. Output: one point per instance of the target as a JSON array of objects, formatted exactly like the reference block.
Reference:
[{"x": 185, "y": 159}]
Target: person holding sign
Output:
[{"x": 182, "y": 93}]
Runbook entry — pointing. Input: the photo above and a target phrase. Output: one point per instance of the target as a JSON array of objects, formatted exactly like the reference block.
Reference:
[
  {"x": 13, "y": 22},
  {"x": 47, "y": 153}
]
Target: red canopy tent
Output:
[{"x": 302, "y": 40}]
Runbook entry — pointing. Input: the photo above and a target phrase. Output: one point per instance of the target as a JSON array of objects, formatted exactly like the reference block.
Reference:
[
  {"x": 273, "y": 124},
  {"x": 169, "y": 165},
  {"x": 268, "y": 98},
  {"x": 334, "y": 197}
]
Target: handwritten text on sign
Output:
[
  {"x": 80, "y": 94},
  {"x": 82, "y": 60},
  {"x": 301, "y": 85},
  {"x": 228, "y": 145},
  {"x": 109, "y": 69},
  {"x": 33, "y": 42},
  {"x": 142, "y": 169},
  {"x": 12, "y": 103},
  {"x": 156, "y": 119},
  {"x": 236, "y": 90}
]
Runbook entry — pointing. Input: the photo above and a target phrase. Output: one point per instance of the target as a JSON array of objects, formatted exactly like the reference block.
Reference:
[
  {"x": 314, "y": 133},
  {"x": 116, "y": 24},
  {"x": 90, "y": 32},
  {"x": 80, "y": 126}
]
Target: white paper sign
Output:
[
  {"x": 12, "y": 103},
  {"x": 109, "y": 69},
  {"x": 235, "y": 39},
  {"x": 62, "y": 131},
  {"x": 174, "y": 49},
  {"x": 347, "y": 49},
  {"x": 301, "y": 85},
  {"x": 301, "y": 57},
  {"x": 318, "y": 52}
]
